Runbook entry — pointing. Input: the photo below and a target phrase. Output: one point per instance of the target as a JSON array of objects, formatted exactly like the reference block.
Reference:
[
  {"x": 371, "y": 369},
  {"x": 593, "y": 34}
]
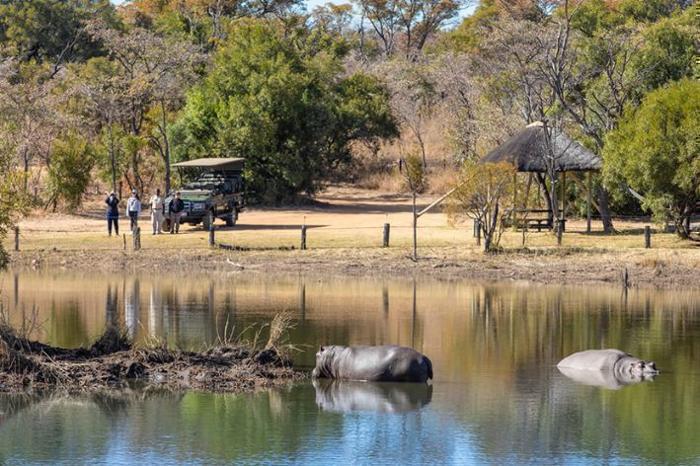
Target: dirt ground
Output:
[{"x": 344, "y": 236}]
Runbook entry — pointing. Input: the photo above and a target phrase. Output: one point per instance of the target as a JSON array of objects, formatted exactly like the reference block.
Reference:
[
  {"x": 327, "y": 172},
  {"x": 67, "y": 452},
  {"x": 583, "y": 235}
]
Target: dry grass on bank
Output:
[{"x": 320, "y": 236}]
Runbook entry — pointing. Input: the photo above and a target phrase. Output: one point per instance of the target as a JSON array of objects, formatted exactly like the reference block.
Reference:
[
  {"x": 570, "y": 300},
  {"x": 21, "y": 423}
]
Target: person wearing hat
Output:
[
  {"x": 157, "y": 212},
  {"x": 112, "y": 202},
  {"x": 176, "y": 208},
  {"x": 133, "y": 209}
]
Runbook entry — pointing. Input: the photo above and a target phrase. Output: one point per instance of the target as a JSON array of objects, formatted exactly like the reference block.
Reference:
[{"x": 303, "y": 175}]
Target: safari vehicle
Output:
[{"x": 211, "y": 188}]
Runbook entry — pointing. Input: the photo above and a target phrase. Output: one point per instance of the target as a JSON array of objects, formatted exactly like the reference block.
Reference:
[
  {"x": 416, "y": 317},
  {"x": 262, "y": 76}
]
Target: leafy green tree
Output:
[
  {"x": 667, "y": 52},
  {"x": 274, "y": 96},
  {"x": 656, "y": 151},
  {"x": 13, "y": 198},
  {"x": 72, "y": 161},
  {"x": 52, "y": 31}
]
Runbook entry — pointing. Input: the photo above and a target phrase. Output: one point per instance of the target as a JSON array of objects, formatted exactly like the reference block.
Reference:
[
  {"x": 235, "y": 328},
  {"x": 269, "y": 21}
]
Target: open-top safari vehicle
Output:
[{"x": 211, "y": 188}]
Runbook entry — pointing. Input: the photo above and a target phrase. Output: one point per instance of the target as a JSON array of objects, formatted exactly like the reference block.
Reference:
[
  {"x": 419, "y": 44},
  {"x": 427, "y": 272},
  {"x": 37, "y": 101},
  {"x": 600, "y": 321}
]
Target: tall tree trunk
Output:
[
  {"x": 166, "y": 146},
  {"x": 491, "y": 225},
  {"x": 542, "y": 181},
  {"x": 604, "y": 210},
  {"x": 112, "y": 158},
  {"x": 25, "y": 159},
  {"x": 421, "y": 144},
  {"x": 553, "y": 200}
]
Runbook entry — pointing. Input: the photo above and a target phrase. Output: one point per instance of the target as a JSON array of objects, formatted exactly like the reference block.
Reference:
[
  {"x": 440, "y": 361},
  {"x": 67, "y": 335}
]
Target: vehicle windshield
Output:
[
  {"x": 206, "y": 181},
  {"x": 198, "y": 179}
]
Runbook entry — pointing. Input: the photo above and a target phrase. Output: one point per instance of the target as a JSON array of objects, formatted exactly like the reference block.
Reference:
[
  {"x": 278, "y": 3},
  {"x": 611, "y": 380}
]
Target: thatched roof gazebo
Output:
[{"x": 529, "y": 152}]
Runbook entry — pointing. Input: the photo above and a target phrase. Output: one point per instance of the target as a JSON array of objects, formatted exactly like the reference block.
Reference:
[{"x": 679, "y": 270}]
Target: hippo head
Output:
[
  {"x": 636, "y": 370},
  {"x": 324, "y": 357}
]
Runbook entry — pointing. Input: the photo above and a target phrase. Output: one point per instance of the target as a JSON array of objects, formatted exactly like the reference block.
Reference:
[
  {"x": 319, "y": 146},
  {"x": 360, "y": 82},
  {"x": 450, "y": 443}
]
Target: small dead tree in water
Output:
[
  {"x": 484, "y": 192},
  {"x": 414, "y": 175}
]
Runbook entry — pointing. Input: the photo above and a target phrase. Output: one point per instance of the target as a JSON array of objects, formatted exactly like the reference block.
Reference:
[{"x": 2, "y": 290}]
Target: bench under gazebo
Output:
[{"x": 529, "y": 153}]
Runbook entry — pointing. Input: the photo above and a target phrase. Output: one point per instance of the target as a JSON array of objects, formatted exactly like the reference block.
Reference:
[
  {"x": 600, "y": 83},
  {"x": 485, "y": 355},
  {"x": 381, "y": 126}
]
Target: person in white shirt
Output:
[
  {"x": 157, "y": 212},
  {"x": 133, "y": 209}
]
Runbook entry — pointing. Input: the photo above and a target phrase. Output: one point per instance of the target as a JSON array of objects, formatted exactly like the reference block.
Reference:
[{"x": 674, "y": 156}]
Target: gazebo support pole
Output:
[{"x": 588, "y": 201}]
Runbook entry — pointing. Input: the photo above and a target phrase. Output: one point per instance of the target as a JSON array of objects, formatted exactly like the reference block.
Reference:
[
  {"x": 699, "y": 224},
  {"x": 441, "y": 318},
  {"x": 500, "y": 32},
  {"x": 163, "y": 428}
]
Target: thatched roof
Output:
[{"x": 527, "y": 151}]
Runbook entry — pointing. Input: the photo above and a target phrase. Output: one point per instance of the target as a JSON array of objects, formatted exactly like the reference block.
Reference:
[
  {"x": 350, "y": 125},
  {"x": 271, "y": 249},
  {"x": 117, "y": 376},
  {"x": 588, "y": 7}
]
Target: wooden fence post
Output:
[
  {"x": 647, "y": 237},
  {"x": 303, "y": 237},
  {"x": 385, "y": 242},
  {"x": 212, "y": 239},
  {"x": 137, "y": 238},
  {"x": 16, "y": 238}
]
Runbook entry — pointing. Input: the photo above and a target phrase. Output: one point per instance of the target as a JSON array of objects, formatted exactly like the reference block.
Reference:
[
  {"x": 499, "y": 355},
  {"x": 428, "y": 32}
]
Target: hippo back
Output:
[
  {"x": 386, "y": 363},
  {"x": 600, "y": 360}
]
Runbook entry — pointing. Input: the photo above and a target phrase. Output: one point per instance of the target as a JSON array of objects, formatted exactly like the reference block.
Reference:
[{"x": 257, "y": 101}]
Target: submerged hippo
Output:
[
  {"x": 372, "y": 363},
  {"x": 610, "y": 368},
  {"x": 346, "y": 396}
]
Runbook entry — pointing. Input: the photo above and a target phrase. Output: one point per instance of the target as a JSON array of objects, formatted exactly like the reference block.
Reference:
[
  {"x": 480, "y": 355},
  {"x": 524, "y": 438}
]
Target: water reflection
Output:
[
  {"x": 382, "y": 397},
  {"x": 605, "y": 379},
  {"x": 497, "y": 396}
]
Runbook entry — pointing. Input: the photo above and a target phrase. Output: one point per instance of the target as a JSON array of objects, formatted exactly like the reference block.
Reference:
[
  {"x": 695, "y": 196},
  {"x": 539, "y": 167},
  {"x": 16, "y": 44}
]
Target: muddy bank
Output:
[
  {"x": 113, "y": 363},
  {"x": 662, "y": 268}
]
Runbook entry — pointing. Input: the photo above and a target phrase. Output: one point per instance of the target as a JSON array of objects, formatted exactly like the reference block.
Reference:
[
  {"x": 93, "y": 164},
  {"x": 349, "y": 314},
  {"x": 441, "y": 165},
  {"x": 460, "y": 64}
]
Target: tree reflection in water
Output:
[{"x": 497, "y": 396}]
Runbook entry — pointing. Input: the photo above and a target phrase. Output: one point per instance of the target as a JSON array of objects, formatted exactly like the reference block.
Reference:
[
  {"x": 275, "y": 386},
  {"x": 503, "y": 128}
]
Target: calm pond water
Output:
[{"x": 497, "y": 396}]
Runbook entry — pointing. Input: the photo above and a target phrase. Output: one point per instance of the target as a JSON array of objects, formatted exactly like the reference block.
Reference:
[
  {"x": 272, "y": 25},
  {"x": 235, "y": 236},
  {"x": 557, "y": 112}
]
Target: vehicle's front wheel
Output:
[
  {"x": 208, "y": 220},
  {"x": 231, "y": 219}
]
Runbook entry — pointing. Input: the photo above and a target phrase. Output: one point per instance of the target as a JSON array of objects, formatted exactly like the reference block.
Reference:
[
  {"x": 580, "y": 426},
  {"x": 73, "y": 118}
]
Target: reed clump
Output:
[{"x": 113, "y": 361}]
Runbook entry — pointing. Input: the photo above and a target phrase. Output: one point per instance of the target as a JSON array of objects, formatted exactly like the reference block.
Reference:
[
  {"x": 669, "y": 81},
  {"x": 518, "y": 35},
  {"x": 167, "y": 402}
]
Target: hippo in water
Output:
[
  {"x": 609, "y": 368},
  {"x": 345, "y": 396},
  {"x": 372, "y": 363}
]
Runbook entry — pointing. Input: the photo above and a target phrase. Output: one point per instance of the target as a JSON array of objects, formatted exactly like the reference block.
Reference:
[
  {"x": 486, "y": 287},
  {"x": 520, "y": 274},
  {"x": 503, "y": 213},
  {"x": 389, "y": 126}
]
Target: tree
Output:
[
  {"x": 13, "y": 200},
  {"x": 102, "y": 105},
  {"x": 484, "y": 192},
  {"x": 413, "y": 97},
  {"x": 275, "y": 97},
  {"x": 152, "y": 74},
  {"x": 72, "y": 160},
  {"x": 28, "y": 117},
  {"x": 414, "y": 175},
  {"x": 53, "y": 32},
  {"x": 204, "y": 21},
  {"x": 656, "y": 151},
  {"x": 407, "y": 23}
]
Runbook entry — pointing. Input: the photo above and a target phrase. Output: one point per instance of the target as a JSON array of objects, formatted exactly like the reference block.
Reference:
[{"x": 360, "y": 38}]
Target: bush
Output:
[
  {"x": 72, "y": 160},
  {"x": 656, "y": 151}
]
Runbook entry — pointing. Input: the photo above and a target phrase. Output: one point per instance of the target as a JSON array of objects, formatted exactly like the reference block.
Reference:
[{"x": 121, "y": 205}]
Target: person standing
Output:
[
  {"x": 133, "y": 208},
  {"x": 176, "y": 208},
  {"x": 157, "y": 212},
  {"x": 112, "y": 202}
]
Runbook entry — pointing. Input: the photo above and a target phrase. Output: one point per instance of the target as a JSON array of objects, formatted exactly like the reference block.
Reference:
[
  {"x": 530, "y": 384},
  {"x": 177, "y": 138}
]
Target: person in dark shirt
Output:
[
  {"x": 112, "y": 202},
  {"x": 176, "y": 209}
]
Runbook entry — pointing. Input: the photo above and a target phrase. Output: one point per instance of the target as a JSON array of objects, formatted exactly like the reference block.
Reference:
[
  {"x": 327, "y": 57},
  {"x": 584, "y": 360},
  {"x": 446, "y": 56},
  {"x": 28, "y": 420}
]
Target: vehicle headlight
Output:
[{"x": 198, "y": 206}]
